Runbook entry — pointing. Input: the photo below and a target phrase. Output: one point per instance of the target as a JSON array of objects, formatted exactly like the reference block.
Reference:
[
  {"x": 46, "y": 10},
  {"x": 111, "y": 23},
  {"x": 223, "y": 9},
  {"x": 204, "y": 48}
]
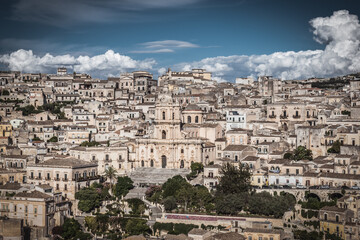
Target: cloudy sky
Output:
[{"x": 232, "y": 38}]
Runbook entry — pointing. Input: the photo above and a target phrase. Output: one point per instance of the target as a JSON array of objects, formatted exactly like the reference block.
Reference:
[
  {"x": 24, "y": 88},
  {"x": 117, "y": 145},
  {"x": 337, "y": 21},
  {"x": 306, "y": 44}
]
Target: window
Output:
[
  {"x": 65, "y": 187},
  {"x": 163, "y": 134},
  {"x": 163, "y": 116},
  {"x": 196, "y": 119},
  {"x": 189, "y": 119},
  {"x": 39, "y": 175},
  {"x": 65, "y": 176},
  {"x": 14, "y": 208},
  {"x": 107, "y": 157},
  {"x": 325, "y": 216},
  {"x": 182, "y": 150},
  {"x": 57, "y": 186}
]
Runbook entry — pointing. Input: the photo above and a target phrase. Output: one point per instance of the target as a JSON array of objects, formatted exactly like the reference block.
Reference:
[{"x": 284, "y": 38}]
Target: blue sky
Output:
[{"x": 166, "y": 33}]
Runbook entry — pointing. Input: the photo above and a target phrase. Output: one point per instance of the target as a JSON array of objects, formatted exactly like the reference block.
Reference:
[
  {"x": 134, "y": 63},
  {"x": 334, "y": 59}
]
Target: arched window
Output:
[
  {"x": 182, "y": 164},
  {"x": 173, "y": 116},
  {"x": 196, "y": 119},
  {"x": 189, "y": 119},
  {"x": 142, "y": 163},
  {"x": 163, "y": 161},
  {"x": 163, "y": 115},
  {"x": 163, "y": 134},
  {"x": 236, "y": 158},
  {"x": 152, "y": 163}
]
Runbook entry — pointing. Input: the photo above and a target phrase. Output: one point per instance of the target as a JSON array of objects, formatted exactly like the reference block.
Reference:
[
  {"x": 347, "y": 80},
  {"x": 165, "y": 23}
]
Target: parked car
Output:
[
  {"x": 255, "y": 187},
  {"x": 345, "y": 187},
  {"x": 355, "y": 187},
  {"x": 287, "y": 187},
  {"x": 266, "y": 187},
  {"x": 314, "y": 187},
  {"x": 324, "y": 187},
  {"x": 300, "y": 186}
]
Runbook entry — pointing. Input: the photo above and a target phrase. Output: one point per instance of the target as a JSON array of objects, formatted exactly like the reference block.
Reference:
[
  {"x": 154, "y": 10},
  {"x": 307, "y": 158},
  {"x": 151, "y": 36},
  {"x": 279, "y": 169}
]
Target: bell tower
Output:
[{"x": 167, "y": 118}]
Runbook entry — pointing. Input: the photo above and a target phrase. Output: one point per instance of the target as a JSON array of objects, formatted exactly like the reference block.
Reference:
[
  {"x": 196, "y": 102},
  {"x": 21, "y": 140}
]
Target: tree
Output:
[
  {"x": 91, "y": 197},
  {"x": 170, "y": 203},
  {"x": 234, "y": 180},
  {"x": 5, "y": 92},
  {"x": 53, "y": 139},
  {"x": 111, "y": 174},
  {"x": 122, "y": 187},
  {"x": 197, "y": 167},
  {"x": 137, "y": 206},
  {"x": 71, "y": 229},
  {"x": 302, "y": 153},
  {"x": 231, "y": 204},
  {"x": 335, "y": 148},
  {"x": 172, "y": 185},
  {"x": 185, "y": 195},
  {"x": 136, "y": 226},
  {"x": 89, "y": 144},
  {"x": 288, "y": 156}
]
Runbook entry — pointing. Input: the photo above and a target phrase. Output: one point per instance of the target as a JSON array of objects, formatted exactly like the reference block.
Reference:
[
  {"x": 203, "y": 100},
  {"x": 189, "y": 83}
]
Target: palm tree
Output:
[{"x": 111, "y": 174}]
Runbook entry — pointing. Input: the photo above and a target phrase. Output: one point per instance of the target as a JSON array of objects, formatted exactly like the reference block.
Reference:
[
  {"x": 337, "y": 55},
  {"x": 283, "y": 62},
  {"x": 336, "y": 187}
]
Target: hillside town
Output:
[{"x": 178, "y": 157}]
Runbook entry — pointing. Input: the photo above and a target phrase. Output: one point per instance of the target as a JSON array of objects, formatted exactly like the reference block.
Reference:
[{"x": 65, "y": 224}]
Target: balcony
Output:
[
  {"x": 4, "y": 210},
  {"x": 283, "y": 116},
  {"x": 296, "y": 116},
  {"x": 65, "y": 179},
  {"x": 56, "y": 179},
  {"x": 272, "y": 116}
]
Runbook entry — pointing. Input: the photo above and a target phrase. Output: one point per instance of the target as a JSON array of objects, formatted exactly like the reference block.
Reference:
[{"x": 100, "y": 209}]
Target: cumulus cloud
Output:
[
  {"x": 107, "y": 64},
  {"x": 340, "y": 32}
]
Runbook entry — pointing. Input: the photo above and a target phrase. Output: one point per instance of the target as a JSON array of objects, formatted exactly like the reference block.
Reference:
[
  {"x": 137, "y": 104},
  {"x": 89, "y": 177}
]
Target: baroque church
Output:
[{"x": 168, "y": 146}]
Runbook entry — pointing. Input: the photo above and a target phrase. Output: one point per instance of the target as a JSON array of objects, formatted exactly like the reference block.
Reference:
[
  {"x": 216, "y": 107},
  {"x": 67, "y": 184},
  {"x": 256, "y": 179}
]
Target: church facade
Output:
[{"x": 168, "y": 146}]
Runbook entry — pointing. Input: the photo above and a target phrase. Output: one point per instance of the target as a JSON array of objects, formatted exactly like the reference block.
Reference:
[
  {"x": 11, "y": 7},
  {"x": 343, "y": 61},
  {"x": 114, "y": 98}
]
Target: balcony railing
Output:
[
  {"x": 296, "y": 116},
  {"x": 57, "y": 179},
  {"x": 272, "y": 116},
  {"x": 283, "y": 116}
]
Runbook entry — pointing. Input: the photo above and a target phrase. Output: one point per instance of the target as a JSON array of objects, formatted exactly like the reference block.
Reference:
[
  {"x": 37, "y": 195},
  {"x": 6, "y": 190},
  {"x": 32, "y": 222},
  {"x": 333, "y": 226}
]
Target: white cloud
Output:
[
  {"x": 164, "y": 46},
  {"x": 341, "y": 34},
  {"x": 162, "y": 71},
  {"x": 109, "y": 63}
]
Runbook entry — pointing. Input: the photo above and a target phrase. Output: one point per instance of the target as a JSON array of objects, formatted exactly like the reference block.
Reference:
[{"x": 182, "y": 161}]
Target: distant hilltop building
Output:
[
  {"x": 193, "y": 76},
  {"x": 61, "y": 71},
  {"x": 244, "y": 81}
]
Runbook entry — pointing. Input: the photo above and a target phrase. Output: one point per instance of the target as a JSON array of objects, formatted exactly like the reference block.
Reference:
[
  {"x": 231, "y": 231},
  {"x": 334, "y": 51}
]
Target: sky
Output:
[{"x": 295, "y": 39}]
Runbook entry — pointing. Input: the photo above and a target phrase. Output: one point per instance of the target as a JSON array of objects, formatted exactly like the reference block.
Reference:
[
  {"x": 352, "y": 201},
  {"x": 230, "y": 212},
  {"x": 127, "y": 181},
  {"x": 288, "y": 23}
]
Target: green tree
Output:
[
  {"x": 233, "y": 180},
  {"x": 185, "y": 195},
  {"x": 197, "y": 167},
  {"x": 136, "y": 226},
  {"x": 231, "y": 204},
  {"x": 335, "y": 148},
  {"x": 89, "y": 144},
  {"x": 53, "y": 139},
  {"x": 137, "y": 206},
  {"x": 170, "y": 203},
  {"x": 5, "y": 92},
  {"x": 302, "y": 153},
  {"x": 122, "y": 187},
  {"x": 110, "y": 173},
  {"x": 172, "y": 185},
  {"x": 71, "y": 230},
  {"x": 91, "y": 197}
]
